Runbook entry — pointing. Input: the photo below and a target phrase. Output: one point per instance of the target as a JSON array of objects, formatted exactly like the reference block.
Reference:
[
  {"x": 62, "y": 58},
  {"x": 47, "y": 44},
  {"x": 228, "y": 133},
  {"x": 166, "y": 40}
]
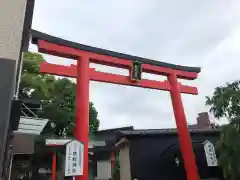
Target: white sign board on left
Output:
[
  {"x": 210, "y": 154},
  {"x": 74, "y": 158},
  {"x": 57, "y": 142}
]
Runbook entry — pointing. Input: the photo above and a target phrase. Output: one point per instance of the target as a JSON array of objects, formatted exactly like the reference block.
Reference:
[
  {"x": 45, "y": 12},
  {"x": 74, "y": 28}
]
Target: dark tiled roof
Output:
[
  {"x": 106, "y": 131},
  {"x": 193, "y": 126},
  {"x": 110, "y": 135},
  {"x": 141, "y": 132}
]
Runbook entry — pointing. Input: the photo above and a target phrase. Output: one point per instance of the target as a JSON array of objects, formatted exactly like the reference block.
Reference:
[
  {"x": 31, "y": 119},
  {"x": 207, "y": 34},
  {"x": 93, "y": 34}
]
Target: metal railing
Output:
[{"x": 29, "y": 111}]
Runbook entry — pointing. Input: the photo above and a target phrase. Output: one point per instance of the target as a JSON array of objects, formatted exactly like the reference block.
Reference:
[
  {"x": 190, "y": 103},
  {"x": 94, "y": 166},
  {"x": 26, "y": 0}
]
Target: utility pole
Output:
[{"x": 15, "y": 23}]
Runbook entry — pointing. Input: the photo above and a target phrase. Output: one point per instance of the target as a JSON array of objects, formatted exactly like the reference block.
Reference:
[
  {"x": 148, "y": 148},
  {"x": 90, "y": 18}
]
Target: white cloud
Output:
[{"x": 198, "y": 33}]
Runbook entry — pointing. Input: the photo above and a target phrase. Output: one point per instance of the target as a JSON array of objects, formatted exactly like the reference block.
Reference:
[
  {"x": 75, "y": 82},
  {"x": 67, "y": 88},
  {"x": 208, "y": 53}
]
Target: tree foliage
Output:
[
  {"x": 57, "y": 96},
  {"x": 225, "y": 103}
]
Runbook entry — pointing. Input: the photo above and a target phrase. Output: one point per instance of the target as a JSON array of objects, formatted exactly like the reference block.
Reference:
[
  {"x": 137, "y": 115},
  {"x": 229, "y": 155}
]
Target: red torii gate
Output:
[{"x": 85, "y": 54}]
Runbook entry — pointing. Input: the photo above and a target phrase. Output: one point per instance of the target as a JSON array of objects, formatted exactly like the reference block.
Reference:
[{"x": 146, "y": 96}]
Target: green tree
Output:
[
  {"x": 57, "y": 96},
  {"x": 225, "y": 103}
]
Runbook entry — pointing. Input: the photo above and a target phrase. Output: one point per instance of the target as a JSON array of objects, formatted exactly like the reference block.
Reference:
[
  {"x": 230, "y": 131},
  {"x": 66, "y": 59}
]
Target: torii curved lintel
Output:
[{"x": 36, "y": 35}]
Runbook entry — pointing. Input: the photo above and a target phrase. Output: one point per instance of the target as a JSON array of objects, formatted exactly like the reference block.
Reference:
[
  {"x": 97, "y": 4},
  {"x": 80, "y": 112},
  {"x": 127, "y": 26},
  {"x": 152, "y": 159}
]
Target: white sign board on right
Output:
[{"x": 210, "y": 154}]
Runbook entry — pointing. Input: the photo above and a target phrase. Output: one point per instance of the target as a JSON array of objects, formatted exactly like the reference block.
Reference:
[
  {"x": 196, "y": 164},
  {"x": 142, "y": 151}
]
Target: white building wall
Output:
[{"x": 12, "y": 14}]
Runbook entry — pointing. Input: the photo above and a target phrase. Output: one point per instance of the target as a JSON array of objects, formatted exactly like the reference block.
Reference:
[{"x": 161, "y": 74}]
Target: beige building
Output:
[{"x": 15, "y": 23}]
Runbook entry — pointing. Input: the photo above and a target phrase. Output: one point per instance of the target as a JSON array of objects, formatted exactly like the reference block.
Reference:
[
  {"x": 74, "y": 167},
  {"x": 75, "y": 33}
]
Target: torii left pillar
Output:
[{"x": 82, "y": 110}]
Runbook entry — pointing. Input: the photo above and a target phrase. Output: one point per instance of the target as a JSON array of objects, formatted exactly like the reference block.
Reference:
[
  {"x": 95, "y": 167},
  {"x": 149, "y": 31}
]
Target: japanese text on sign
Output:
[
  {"x": 136, "y": 72},
  {"x": 210, "y": 154},
  {"x": 74, "y": 159}
]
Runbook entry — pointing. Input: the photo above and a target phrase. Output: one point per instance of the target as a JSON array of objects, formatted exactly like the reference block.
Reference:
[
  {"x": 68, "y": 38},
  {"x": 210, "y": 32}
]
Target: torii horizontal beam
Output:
[
  {"x": 71, "y": 71},
  {"x": 63, "y": 48}
]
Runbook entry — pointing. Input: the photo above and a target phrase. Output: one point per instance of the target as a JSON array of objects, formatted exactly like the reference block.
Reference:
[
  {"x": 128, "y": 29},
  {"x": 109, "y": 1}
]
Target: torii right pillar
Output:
[{"x": 183, "y": 133}]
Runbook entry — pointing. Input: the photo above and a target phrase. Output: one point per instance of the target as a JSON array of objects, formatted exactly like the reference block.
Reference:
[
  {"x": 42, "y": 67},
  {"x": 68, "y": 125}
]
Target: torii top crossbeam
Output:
[
  {"x": 86, "y": 54},
  {"x": 183, "y": 72}
]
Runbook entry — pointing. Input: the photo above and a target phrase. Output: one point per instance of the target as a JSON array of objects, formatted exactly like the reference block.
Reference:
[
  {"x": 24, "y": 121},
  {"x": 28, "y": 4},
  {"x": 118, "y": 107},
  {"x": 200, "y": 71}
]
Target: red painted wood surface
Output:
[
  {"x": 84, "y": 74},
  {"x": 54, "y": 165},
  {"x": 68, "y": 52},
  {"x": 81, "y": 130},
  {"x": 183, "y": 133},
  {"x": 71, "y": 71}
]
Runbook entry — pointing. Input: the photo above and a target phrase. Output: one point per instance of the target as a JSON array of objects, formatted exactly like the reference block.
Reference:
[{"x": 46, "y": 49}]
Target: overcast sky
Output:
[{"x": 204, "y": 33}]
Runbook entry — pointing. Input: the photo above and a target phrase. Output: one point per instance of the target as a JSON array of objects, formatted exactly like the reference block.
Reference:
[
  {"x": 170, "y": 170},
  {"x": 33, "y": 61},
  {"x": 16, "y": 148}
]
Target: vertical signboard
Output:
[
  {"x": 136, "y": 71},
  {"x": 74, "y": 159},
  {"x": 210, "y": 154}
]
